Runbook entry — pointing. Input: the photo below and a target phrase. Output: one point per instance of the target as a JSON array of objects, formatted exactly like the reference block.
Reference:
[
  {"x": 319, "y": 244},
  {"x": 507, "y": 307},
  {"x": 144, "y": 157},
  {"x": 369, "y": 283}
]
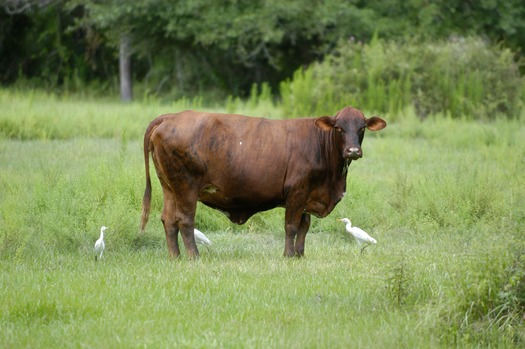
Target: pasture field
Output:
[{"x": 444, "y": 199}]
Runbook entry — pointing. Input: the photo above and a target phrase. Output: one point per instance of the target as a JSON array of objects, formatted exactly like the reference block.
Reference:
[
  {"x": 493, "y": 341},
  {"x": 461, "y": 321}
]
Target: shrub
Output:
[{"x": 458, "y": 77}]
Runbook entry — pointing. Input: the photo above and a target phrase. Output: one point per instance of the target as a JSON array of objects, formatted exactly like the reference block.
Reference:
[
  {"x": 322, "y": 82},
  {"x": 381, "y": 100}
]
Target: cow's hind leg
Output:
[
  {"x": 186, "y": 223},
  {"x": 301, "y": 235},
  {"x": 169, "y": 220}
]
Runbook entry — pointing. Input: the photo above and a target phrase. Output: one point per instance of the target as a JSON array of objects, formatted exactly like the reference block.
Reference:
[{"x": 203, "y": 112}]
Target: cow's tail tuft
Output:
[{"x": 146, "y": 200}]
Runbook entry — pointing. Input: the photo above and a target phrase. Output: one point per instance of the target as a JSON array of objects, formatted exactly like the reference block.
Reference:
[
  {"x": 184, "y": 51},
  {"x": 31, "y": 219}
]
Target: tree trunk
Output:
[{"x": 126, "y": 93}]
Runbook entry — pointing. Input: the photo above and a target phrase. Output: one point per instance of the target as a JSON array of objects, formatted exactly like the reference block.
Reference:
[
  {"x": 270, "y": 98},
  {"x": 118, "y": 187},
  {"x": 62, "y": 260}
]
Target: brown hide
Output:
[{"x": 243, "y": 165}]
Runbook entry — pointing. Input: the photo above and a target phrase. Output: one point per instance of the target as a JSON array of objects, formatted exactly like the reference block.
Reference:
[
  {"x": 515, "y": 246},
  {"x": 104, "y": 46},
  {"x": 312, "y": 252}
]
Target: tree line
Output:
[{"x": 219, "y": 48}]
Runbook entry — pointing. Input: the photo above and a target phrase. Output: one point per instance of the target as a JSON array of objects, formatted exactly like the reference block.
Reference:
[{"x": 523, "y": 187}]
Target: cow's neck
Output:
[{"x": 335, "y": 164}]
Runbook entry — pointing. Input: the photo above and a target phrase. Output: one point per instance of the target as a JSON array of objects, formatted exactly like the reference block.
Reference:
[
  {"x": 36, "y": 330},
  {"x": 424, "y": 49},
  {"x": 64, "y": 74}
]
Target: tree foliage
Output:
[
  {"x": 189, "y": 47},
  {"x": 237, "y": 42}
]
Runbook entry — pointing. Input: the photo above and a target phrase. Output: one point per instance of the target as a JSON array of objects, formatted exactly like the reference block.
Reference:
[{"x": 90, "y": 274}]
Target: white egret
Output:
[
  {"x": 99, "y": 244},
  {"x": 200, "y": 238},
  {"x": 360, "y": 235}
]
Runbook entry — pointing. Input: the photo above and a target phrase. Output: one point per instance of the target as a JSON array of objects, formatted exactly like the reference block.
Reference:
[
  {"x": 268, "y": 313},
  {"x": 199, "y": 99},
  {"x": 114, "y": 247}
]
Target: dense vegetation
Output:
[
  {"x": 218, "y": 48},
  {"x": 443, "y": 197},
  {"x": 459, "y": 77}
]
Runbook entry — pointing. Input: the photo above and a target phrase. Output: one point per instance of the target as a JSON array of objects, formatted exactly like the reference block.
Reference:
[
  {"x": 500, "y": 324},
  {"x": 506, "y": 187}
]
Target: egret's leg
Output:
[{"x": 366, "y": 245}]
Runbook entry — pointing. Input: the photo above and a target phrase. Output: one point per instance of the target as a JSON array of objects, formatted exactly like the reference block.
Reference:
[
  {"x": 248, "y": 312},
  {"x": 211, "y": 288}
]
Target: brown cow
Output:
[{"x": 243, "y": 165}]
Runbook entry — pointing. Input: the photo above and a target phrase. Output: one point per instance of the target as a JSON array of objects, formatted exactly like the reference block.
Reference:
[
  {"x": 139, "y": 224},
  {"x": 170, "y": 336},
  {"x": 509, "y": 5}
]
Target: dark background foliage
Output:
[{"x": 220, "y": 48}]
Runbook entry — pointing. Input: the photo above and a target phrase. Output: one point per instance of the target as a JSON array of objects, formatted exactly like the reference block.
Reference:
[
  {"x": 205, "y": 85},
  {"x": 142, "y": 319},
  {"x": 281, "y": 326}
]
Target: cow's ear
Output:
[
  {"x": 325, "y": 123},
  {"x": 375, "y": 123}
]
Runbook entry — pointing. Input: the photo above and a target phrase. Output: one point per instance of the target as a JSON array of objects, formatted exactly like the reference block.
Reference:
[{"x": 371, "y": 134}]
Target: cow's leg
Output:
[
  {"x": 292, "y": 224},
  {"x": 289, "y": 250},
  {"x": 301, "y": 234},
  {"x": 169, "y": 220},
  {"x": 186, "y": 223}
]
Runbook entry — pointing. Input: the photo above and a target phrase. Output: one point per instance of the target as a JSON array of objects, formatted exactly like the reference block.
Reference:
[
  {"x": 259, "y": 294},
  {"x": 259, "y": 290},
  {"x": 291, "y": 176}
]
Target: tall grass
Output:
[
  {"x": 443, "y": 198},
  {"x": 38, "y": 115}
]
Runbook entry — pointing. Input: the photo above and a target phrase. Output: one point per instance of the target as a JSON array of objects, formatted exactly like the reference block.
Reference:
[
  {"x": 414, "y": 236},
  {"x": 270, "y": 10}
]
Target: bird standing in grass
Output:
[
  {"x": 200, "y": 238},
  {"x": 99, "y": 244},
  {"x": 360, "y": 235}
]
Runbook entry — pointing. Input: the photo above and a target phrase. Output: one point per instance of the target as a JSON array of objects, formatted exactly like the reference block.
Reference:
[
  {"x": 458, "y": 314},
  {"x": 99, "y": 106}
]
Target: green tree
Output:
[
  {"x": 38, "y": 46},
  {"x": 236, "y": 42},
  {"x": 498, "y": 20}
]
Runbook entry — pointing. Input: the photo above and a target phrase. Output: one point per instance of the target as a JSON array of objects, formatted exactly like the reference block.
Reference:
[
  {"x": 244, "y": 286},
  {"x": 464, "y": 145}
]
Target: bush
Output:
[{"x": 458, "y": 77}]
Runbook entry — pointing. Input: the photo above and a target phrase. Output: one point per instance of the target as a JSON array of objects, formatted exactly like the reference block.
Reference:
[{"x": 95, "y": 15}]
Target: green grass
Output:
[
  {"x": 444, "y": 198},
  {"x": 37, "y": 115}
]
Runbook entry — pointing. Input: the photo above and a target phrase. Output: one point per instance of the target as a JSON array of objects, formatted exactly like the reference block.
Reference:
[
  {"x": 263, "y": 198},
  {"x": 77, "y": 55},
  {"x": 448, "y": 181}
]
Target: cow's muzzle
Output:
[{"x": 353, "y": 153}]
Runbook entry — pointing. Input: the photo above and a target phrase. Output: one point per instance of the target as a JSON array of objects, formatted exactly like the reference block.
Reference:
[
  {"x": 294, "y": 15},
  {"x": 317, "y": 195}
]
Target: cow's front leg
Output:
[
  {"x": 289, "y": 250},
  {"x": 292, "y": 224},
  {"x": 301, "y": 234}
]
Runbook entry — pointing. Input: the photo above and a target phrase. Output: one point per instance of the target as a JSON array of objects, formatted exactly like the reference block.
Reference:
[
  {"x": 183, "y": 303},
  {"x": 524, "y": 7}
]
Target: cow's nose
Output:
[{"x": 354, "y": 153}]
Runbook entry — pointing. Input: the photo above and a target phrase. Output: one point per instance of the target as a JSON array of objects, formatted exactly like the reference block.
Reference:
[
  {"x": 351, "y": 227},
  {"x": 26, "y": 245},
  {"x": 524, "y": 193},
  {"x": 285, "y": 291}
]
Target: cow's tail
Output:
[{"x": 146, "y": 200}]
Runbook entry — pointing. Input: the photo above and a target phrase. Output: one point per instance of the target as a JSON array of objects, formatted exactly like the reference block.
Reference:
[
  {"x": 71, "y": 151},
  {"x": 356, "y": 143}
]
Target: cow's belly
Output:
[{"x": 239, "y": 205}]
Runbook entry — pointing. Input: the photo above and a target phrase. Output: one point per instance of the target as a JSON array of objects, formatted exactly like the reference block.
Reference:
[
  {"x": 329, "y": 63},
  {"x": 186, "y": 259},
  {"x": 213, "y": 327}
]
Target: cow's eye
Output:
[{"x": 338, "y": 129}]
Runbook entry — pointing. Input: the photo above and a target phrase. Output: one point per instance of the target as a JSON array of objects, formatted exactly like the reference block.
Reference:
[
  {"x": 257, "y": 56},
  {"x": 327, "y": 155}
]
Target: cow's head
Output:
[{"x": 350, "y": 124}]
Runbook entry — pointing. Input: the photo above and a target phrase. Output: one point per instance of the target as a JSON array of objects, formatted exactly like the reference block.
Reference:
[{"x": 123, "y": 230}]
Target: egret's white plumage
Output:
[
  {"x": 359, "y": 234},
  {"x": 200, "y": 238},
  {"x": 99, "y": 244}
]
